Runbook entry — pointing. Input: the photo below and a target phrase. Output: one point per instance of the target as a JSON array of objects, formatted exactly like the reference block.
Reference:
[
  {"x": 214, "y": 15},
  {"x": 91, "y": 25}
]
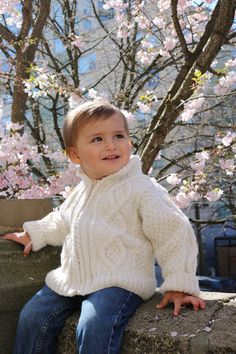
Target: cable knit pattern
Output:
[{"x": 112, "y": 230}]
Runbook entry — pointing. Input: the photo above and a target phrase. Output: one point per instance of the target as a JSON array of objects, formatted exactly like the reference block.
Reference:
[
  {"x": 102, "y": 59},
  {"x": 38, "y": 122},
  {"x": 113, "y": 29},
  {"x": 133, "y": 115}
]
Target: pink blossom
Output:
[
  {"x": 169, "y": 44},
  {"x": 35, "y": 192},
  {"x": 163, "y": 5},
  {"x": 221, "y": 89},
  {"x": 77, "y": 41},
  {"x": 202, "y": 156},
  {"x": 187, "y": 115},
  {"x": 158, "y": 157},
  {"x": 9, "y": 8},
  {"x": 92, "y": 93},
  {"x": 214, "y": 195},
  {"x": 16, "y": 178},
  {"x": 116, "y": 4},
  {"x": 227, "y": 165},
  {"x": 146, "y": 57},
  {"x": 1, "y": 107},
  {"x": 159, "y": 22},
  {"x": 147, "y": 44},
  {"x": 227, "y": 140},
  {"x": 66, "y": 192},
  {"x": 143, "y": 107},
  {"x": 193, "y": 195},
  {"x": 225, "y": 84},
  {"x": 164, "y": 53},
  {"x": 129, "y": 116},
  {"x": 182, "y": 200},
  {"x": 231, "y": 63},
  {"x": 191, "y": 107},
  {"x": 143, "y": 22},
  {"x": 182, "y": 3},
  {"x": 123, "y": 32},
  {"x": 198, "y": 166},
  {"x": 74, "y": 100},
  {"x": 173, "y": 179}
]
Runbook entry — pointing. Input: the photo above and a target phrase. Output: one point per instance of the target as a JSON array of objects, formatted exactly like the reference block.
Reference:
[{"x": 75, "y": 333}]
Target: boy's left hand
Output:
[{"x": 179, "y": 299}]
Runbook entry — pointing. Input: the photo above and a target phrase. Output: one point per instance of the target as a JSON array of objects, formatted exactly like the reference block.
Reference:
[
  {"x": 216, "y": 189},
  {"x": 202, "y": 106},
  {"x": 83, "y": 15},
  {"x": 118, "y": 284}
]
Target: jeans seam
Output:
[
  {"x": 116, "y": 318},
  {"x": 46, "y": 325}
]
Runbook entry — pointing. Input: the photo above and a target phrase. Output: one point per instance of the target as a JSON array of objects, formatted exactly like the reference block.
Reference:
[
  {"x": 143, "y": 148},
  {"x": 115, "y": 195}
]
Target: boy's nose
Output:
[{"x": 110, "y": 144}]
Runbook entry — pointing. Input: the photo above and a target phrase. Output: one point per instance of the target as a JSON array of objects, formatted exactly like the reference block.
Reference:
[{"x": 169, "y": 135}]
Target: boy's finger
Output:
[
  {"x": 9, "y": 237},
  {"x": 177, "y": 307},
  {"x": 199, "y": 304},
  {"x": 202, "y": 304},
  {"x": 164, "y": 302},
  {"x": 27, "y": 249}
]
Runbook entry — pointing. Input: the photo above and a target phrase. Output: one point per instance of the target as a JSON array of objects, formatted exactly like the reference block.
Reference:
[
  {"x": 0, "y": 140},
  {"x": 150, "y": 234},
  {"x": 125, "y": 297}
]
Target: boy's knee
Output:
[
  {"x": 29, "y": 315},
  {"x": 93, "y": 324}
]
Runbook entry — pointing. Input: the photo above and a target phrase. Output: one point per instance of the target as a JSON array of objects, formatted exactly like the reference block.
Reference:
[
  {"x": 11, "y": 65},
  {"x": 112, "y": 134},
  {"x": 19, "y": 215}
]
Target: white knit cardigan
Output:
[{"x": 112, "y": 230}]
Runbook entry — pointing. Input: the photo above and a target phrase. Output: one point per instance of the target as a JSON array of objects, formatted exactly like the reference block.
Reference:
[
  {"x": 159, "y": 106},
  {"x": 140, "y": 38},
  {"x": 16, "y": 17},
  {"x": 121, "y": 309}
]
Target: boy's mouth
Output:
[{"x": 111, "y": 157}]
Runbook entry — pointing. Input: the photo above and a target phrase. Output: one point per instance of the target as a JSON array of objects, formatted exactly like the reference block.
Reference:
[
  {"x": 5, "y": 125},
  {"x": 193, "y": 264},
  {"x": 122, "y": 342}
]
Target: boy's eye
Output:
[
  {"x": 119, "y": 136},
  {"x": 96, "y": 139}
]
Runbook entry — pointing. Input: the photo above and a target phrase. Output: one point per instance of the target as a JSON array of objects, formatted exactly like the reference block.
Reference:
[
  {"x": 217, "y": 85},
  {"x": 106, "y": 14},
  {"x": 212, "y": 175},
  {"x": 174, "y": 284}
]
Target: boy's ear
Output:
[{"x": 73, "y": 155}]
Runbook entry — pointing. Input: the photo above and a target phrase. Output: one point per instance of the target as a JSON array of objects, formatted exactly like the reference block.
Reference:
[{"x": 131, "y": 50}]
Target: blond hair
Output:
[{"x": 85, "y": 113}]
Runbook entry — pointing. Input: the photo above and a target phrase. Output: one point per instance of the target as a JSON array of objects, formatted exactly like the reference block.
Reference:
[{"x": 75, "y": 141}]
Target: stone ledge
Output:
[
  {"x": 149, "y": 331},
  {"x": 21, "y": 277},
  {"x": 153, "y": 331}
]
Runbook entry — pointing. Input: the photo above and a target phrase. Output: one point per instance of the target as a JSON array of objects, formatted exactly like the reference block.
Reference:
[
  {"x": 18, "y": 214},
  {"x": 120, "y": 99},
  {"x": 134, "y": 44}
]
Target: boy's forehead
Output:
[{"x": 114, "y": 121}]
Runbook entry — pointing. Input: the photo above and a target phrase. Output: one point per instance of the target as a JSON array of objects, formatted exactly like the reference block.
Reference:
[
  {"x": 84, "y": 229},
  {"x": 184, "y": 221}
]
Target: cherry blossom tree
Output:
[
  {"x": 19, "y": 45},
  {"x": 168, "y": 65},
  {"x": 21, "y": 173}
]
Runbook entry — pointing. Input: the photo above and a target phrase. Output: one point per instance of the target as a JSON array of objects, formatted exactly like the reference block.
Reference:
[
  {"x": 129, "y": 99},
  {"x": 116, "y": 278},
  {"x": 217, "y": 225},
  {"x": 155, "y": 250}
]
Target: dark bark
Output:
[
  {"x": 25, "y": 45},
  {"x": 213, "y": 38}
]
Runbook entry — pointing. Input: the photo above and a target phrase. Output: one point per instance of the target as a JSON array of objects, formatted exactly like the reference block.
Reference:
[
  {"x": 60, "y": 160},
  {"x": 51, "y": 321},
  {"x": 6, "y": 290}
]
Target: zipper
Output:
[{"x": 94, "y": 183}]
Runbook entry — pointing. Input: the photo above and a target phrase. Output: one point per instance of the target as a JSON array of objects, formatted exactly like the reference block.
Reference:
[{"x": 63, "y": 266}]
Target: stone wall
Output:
[
  {"x": 150, "y": 331},
  {"x": 153, "y": 331},
  {"x": 20, "y": 278}
]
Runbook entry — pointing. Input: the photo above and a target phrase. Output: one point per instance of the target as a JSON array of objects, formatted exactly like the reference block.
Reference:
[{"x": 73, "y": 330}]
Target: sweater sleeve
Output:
[
  {"x": 50, "y": 230},
  {"x": 173, "y": 240}
]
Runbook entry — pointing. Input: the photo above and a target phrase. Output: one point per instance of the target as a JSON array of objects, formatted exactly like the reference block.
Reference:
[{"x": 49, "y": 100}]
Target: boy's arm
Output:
[
  {"x": 50, "y": 230},
  {"x": 53, "y": 228},
  {"x": 175, "y": 248},
  {"x": 173, "y": 241}
]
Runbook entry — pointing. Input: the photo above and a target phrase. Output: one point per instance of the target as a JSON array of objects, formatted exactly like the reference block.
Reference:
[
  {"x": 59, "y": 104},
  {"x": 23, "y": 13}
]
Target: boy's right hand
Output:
[{"x": 20, "y": 237}]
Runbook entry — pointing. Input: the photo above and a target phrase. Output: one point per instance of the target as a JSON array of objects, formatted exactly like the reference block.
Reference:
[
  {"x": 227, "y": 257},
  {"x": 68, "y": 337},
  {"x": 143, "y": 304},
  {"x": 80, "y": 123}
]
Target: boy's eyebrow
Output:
[{"x": 102, "y": 133}]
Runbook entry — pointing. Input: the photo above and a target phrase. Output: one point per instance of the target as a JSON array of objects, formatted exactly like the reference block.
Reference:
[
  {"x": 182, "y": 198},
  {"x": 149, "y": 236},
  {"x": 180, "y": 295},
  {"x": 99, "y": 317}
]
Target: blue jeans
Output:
[{"x": 103, "y": 318}]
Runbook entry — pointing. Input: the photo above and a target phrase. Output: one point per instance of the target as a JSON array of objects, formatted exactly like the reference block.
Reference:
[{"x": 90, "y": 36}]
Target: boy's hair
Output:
[{"x": 85, "y": 113}]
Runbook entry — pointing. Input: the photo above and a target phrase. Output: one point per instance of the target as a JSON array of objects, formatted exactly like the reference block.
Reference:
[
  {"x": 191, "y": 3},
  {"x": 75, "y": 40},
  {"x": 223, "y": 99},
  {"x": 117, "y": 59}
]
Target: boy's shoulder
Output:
[{"x": 147, "y": 184}]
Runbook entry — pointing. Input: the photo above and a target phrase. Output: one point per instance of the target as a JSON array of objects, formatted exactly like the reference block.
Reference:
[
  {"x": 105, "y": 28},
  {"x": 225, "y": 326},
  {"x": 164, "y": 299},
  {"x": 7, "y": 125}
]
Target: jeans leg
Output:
[
  {"x": 41, "y": 320},
  {"x": 103, "y": 319}
]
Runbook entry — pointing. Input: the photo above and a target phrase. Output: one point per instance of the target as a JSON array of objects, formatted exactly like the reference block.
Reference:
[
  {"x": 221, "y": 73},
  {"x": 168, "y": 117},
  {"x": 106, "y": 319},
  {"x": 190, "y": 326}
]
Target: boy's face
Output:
[{"x": 103, "y": 147}]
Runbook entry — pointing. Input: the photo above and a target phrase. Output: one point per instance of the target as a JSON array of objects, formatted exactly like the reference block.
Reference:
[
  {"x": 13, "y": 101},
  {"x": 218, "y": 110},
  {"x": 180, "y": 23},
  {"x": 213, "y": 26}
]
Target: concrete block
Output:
[
  {"x": 153, "y": 331},
  {"x": 150, "y": 331},
  {"x": 14, "y": 212},
  {"x": 21, "y": 277}
]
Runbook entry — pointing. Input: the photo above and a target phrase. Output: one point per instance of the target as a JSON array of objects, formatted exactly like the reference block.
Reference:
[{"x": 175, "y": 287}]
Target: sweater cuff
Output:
[
  {"x": 184, "y": 282},
  {"x": 35, "y": 234}
]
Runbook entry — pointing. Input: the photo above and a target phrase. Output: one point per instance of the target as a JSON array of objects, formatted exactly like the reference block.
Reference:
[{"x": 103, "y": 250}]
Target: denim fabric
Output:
[{"x": 104, "y": 316}]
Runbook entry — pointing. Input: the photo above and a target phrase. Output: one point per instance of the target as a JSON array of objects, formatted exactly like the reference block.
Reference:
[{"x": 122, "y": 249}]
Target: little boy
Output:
[{"x": 112, "y": 227}]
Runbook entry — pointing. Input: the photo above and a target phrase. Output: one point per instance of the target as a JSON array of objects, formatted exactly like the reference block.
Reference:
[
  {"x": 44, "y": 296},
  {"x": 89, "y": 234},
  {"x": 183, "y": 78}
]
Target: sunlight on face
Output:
[{"x": 103, "y": 147}]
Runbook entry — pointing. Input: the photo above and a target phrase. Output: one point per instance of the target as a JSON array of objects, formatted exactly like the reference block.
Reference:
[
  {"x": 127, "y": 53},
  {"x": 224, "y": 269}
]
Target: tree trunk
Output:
[
  {"x": 182, "y": 89},
  {"x": 26, "y": 47}
]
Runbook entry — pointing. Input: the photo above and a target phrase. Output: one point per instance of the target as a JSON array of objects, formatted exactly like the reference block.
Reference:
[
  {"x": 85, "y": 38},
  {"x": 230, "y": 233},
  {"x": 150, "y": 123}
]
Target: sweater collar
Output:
[{"x": 132, "y": 168}]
